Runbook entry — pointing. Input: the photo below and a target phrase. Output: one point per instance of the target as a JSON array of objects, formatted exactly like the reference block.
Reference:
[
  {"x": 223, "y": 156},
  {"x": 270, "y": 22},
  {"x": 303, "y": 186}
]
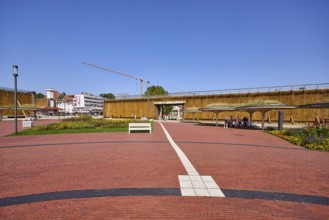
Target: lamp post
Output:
[
  {"x": 15, "y": 74},
  {"x": 148, "y": 100}
]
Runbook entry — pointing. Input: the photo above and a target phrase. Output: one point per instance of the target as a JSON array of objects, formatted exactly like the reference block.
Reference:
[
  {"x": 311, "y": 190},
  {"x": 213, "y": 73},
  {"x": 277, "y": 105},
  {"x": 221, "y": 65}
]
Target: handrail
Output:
[
  {"x": 237, "y": 90},
  {"x": 221, "y": 91},
  {"x": 18, "y": 90}
]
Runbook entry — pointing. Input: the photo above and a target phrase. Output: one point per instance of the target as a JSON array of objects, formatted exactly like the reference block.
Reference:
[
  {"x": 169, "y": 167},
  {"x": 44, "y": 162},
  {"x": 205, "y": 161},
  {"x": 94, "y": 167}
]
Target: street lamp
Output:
[
  {"x": 148, "y": 100},
  {"x": 15, "y": 74}
]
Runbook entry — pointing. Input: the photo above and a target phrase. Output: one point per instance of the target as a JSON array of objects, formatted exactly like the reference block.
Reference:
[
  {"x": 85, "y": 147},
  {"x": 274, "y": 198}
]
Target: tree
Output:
[
  {"x": 107, "y": 96},
  {"x": 155, "y": 91},
  {"x": 40, "y": 96},
  {"x": 159, "y": 91},
  {"x": 61, "y": 98}
]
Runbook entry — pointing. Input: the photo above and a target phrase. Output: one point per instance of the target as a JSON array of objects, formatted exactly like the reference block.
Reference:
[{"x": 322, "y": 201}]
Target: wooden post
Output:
[
  {"x": 292, "y": 120},
  {"x": 317, "y": 119},
  {"x": 217, "y": 118}
]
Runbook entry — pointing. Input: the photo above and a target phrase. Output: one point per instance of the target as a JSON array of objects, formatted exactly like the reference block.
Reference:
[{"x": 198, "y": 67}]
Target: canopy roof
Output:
[
  {"x": 263, "y": 107},
  {"x": 192, "y": 110},
  {"x": 250, "y": 106},
  {"x": 324, "y": 104},
  {"x": 218, "y": 107},
  {"x": 245, "y": 107}
]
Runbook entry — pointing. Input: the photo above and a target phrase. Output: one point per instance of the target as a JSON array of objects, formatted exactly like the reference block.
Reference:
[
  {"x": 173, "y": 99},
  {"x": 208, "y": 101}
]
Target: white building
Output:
[
  {"x": 88, "y": 103},
  {"x": 66, "y": 104},
  {"x": 85, "y": 103},
  {"x": 51, "y": 101}
]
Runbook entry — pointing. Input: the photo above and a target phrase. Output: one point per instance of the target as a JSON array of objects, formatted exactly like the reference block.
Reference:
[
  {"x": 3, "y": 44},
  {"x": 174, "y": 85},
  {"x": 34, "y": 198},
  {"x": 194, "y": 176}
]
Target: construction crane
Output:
[{"x": 122, "y": 74}]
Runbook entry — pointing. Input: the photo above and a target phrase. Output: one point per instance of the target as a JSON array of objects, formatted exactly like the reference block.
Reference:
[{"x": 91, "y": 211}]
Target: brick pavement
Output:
[
  {"x": 237, "y": 159},
  {"x": 254, "y": 160},
  {"x": 8, "y": 127}
]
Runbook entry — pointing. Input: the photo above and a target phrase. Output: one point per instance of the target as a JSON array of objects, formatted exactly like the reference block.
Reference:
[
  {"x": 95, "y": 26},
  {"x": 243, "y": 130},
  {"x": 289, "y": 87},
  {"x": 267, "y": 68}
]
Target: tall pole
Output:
[
  {"x": 15, "y": 74},
  {"x": 280, "y": 120},
  {"x": 148, "y": 100},
  {"x": 141, "y": 87}
]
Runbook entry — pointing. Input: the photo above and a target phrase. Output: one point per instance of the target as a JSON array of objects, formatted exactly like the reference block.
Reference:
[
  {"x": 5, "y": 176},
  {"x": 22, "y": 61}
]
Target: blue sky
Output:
[{"x": 181, "y": 45}]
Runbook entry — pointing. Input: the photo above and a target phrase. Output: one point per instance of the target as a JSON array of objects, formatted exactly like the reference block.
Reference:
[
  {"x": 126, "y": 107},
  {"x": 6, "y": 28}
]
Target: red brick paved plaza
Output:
[{"x": 135, "y": 176}]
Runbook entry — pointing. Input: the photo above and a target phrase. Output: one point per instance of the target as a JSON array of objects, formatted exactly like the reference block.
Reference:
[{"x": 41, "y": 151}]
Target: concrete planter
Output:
[{"x": 27, "y": 124}]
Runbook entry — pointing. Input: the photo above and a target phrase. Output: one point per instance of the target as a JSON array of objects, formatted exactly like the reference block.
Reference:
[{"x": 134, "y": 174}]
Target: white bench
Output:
[{"x": 140, "y": 127}]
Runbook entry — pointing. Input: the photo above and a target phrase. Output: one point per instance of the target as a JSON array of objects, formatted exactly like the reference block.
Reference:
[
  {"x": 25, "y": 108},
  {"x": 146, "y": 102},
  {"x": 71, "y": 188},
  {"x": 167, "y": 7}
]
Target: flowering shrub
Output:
[
  {"x": 313, "y": 137},
  {"x": 81, "y": 125}
]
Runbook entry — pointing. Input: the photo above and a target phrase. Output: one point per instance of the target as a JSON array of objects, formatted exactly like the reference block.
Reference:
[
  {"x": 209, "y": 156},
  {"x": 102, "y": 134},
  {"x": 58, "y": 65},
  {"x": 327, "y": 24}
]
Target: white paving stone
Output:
[
  {"x": 187, "y": 192},
  {"x": 184, "y": 178},
  {"x": 207, "y": 179},
  {"x": 199, "y": 185},
  {"x": 201, "y": 192},
  {"x": 192, "y": 172},
  {"x": 196, "y": 178},
  {"x": 216, "y": 193},
  {"x": 211, "y": 185},
  {"x": 188, "y": 166},
  {"x": 186, "y": 184}
]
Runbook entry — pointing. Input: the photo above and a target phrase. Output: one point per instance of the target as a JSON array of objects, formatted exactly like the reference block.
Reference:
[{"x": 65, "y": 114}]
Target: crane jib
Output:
[{"x": 123, "y": 74}]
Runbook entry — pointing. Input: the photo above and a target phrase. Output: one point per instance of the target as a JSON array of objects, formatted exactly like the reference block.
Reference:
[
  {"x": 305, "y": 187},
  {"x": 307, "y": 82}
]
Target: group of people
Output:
[{"x": 230, "y": 123}]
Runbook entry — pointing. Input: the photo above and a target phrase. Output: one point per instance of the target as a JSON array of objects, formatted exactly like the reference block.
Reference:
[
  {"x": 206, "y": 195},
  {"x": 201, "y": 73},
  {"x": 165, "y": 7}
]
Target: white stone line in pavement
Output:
[
  {"x": 193, "y": 184},
  {"x": 186, "y": 162}
]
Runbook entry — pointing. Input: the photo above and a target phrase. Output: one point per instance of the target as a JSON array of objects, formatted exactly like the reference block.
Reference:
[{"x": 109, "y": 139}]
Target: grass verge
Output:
[{"x": 32, "y": 131}]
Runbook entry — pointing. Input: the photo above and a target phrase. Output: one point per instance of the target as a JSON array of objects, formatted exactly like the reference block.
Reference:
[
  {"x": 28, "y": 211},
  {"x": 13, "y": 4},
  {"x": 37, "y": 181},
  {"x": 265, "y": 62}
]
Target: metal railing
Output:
[
  {"x": 12, "y": 90},
  {"x": 238, "y": 91},
  {"x": 221, "y": 91}
]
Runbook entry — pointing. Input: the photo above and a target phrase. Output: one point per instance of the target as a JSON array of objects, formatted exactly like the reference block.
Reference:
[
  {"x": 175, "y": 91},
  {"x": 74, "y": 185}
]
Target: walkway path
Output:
[{"x": 118, "y": 176}]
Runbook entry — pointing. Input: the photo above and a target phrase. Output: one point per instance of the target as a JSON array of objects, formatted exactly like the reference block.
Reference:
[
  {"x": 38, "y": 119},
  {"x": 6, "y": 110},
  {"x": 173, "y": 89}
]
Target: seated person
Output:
[
  {"x": 237, "y": 122},
  {"x": 245, "y": 121},
  {"x": 230, "y": 122}
]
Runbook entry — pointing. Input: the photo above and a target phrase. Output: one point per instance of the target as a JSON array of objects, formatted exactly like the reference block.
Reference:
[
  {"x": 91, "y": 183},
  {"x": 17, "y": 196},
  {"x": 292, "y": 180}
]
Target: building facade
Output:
[
  {"x": 152, "y": 107},
  {"x": 66, "y": 103},
  {"x": 87, "y": 103}
]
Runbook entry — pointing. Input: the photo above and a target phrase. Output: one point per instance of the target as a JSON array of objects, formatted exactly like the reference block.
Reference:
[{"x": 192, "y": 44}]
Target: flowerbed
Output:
[
  {"x": 313, "y": 137},
  {"x": 81, "y": 125}
]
